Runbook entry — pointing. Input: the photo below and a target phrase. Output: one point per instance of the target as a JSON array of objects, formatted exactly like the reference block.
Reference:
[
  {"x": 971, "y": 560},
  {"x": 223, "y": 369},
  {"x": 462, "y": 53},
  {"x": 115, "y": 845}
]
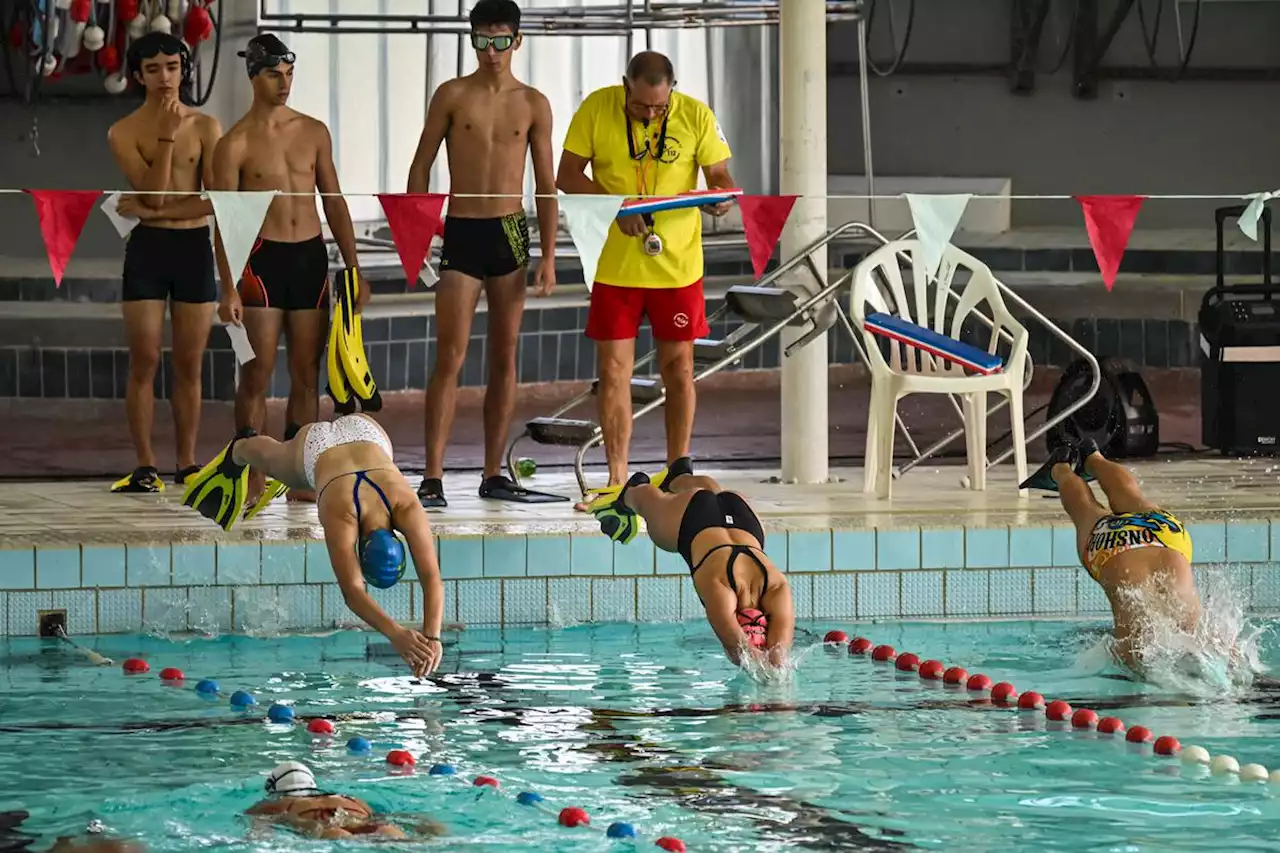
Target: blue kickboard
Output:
[{"x": 904, "y": 331}]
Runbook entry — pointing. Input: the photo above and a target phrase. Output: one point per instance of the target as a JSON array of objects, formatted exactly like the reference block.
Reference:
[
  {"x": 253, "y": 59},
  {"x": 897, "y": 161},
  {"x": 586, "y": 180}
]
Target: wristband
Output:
[{"x": 433, "y": 639}]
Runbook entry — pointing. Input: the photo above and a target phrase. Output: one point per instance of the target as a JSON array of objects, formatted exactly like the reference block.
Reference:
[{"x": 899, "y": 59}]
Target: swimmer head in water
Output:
[
  {"x": 755, "y": 625},
  {"x": 292, "y": 779}
]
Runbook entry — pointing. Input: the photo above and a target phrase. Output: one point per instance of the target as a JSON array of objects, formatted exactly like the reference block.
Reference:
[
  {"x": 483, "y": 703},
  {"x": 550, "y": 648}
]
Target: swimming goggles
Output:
[{"x": 500, "y": 43}]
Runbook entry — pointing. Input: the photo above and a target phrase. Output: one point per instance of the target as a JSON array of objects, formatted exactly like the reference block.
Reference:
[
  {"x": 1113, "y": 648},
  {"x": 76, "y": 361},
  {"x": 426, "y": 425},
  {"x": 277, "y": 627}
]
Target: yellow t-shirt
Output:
[{"x": 598, "y": 132}]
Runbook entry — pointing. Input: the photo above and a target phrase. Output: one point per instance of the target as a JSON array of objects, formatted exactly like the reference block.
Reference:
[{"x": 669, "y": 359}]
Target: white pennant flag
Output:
[
  {"x": 1248, "y": 220},
  {"x": 936, "y": 218},
  {"x": 123, "y": 224},
  {"x": 588, "y": 218},
  {"x": 239, "y": 216}
]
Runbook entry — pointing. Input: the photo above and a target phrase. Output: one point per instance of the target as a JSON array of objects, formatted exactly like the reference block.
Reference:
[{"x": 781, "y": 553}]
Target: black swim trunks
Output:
[
  {"x": 287, "y": 276},
  {"x": 485, "y": 248},
  {"x": 709, "y": 509},
  {"x": 169, "y": 263}
]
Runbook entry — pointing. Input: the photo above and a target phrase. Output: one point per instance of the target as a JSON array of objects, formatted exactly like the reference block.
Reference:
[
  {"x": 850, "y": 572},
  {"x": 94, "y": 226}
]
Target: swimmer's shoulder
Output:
[{"x": 126, "y": 129}]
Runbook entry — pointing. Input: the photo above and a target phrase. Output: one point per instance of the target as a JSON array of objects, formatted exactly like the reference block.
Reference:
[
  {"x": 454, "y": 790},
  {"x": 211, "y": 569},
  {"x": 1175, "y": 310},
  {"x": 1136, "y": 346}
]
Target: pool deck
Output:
[{"x": 123, "y": 564}]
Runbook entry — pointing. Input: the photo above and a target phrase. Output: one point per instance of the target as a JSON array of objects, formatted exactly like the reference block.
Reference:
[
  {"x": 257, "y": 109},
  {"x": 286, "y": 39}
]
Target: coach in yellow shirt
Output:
[{"x": 643, "y": 139}]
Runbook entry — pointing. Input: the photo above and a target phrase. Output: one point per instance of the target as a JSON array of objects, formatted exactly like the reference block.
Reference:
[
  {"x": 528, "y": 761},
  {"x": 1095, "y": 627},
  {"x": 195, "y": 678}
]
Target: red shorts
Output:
[{"x": 675, "y": 313}]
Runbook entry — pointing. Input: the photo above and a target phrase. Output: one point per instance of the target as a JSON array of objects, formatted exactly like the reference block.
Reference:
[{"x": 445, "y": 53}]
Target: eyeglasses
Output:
[{"x": 500, "y": 43}]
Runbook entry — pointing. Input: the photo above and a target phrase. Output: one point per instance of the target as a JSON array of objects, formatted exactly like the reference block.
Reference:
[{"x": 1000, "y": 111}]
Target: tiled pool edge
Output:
[{"x": 961, "y": 572}]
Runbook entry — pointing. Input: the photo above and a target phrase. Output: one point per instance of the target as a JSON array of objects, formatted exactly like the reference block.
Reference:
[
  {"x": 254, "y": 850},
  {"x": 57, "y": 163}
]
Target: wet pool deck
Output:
[{"x": 1204, "y": 488}]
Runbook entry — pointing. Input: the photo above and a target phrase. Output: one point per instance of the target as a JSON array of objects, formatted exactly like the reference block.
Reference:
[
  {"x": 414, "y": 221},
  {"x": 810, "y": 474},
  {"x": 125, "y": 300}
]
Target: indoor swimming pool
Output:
[{"x": 644, "y": 724}]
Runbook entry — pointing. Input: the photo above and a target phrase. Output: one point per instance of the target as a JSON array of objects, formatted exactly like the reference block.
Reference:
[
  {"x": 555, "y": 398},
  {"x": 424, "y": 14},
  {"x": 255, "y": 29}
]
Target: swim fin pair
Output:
[
  {"x": 218, "y": 491},
  {"x": 617, "y": 520},
  {"x": 351, "y": 381}
]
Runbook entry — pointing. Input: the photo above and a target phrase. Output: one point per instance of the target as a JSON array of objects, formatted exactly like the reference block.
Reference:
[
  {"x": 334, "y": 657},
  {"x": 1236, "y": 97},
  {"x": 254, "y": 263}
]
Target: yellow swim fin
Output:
[
  {"x": 350, "y": 349},
  {"x": 218, "y": 491},
  {"x": 343, "y": 400},
  {"x": 274, "y": 489}
]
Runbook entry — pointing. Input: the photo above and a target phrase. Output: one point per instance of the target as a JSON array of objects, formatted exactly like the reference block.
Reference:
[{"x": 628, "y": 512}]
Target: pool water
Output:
[{"x": 641, "y": 723}]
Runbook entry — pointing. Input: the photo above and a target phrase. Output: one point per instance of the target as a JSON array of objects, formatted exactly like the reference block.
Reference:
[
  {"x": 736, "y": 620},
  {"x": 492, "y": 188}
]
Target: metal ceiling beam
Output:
[{"x": 568, "y": 20}]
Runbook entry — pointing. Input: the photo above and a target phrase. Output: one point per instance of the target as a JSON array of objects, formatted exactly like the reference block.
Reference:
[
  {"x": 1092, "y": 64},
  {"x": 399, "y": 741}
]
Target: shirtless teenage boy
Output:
[
  {"x": 285, "y": 285},
  {"x": 165, "y": 146},
  {"x": 489, "y": 120}
]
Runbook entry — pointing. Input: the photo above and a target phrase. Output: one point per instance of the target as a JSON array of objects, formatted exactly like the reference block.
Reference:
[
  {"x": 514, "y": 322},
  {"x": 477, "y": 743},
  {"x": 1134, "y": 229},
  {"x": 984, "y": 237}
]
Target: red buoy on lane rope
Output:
[
  {"x": 1083, "y": 718},
  {"x": 171, "y": 673},
  {"x": 1138, "y": 734},
  {"x": 574, "y": 816},
  {"x": 1003, "y": 693},
  {"x": 1031, "y": 701},
  {"x": 1167, "y": 745},
  {"x": 978, "y": 683},
  {"x": 955, "y": 675},
  {"x": 400, "y": 758},
  {"x": 321, "y": 727},
  {"x": 859, "y": 646},
  {"x": 1110, "y": 726},
  {"x": 931, "y": 670},
  {"x": 670, "y": 844},
  {"x": 485, "y": 782},
  {"x": 135, "y": 666},
  {"x": 907, "y": 662},
  {"x": 1058, "y": 711},
  {"x": 882, "y": 654},
  {"x": 836, "y": 637}
]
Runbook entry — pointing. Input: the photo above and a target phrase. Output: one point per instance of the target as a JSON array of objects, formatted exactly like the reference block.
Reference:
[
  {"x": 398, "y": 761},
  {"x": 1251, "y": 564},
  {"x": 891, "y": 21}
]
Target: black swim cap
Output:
[
  {"x": 265, "y": 51},
  {"x": 154, "y": 44}
]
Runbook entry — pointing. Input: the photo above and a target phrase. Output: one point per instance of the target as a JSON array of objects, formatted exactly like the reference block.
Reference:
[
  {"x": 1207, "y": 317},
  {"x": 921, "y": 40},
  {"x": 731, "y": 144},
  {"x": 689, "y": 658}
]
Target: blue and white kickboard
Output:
[
  {"x": 697, "y": 198},
  {"x": 903, "y": 331}
]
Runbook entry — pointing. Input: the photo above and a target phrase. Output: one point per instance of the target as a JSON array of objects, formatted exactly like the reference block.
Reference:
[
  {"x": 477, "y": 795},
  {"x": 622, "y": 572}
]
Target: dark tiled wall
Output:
[{"x": 552, "y": 347}]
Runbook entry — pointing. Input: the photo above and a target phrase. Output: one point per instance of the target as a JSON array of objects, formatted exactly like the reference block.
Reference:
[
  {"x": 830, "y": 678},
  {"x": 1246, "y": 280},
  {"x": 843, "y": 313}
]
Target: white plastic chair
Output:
[{"x": 878, "y": 282}]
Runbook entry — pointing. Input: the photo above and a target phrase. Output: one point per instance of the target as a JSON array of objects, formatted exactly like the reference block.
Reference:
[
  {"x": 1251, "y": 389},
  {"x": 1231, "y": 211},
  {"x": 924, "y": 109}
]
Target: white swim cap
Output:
[{"x": 291, "y": 779}]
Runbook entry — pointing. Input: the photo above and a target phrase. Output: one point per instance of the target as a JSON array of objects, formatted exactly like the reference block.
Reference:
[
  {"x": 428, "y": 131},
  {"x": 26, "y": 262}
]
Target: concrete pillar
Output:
[{"x": 803, "y": 143}]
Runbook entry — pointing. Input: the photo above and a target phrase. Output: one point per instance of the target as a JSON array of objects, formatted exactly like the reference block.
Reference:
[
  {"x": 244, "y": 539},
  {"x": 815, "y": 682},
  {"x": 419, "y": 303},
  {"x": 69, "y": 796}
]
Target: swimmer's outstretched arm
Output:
[
  {"x": 720, "y": 606},
  {"x": 411, "y": 520},
  {"x": 781, "y": 630}
]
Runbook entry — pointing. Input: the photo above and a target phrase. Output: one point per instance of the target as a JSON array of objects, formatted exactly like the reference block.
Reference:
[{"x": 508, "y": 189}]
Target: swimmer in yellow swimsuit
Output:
[{"x": 1131, "y": 546}]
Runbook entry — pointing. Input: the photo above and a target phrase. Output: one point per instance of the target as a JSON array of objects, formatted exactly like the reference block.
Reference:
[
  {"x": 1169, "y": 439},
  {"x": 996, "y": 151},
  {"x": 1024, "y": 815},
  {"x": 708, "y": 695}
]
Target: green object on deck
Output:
[{"x": 526, "y": 467}]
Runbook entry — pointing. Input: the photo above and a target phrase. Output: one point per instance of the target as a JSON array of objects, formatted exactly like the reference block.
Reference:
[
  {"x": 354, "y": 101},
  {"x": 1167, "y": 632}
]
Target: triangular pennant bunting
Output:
[
  {"x": 239, "y": 217},
  {"x": 1109, "y": 220},
  {"x": 588, "y": 218},
  {"x": 414, "y": 220},
  {"x": 62, "y": 215},
  {"x": 935, "y": 218},
  {"x": 1248, "y": 221},
  {"x": 122, "y": 224},
  {"x": 763, "y": 218}
]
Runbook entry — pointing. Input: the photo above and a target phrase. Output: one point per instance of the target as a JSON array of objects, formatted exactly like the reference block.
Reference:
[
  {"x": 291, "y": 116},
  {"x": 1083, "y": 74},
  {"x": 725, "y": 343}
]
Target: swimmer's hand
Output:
[
  {"x": 170, "y": 118},
  {"x": 545, "y": 280},
  {"x": 132, "y": 205},
  {"x": 422, "y": 655},
  {"x": 363, "y": 292},
  {"x": 230, "y": 308},
  {"x": 719, "y": 209},
  {"x": 633, "y": 225}
]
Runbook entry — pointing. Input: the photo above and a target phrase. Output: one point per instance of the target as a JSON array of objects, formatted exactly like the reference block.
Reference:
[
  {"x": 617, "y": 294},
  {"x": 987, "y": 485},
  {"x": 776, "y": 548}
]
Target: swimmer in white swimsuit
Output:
[{"x": 353, "y": 455}]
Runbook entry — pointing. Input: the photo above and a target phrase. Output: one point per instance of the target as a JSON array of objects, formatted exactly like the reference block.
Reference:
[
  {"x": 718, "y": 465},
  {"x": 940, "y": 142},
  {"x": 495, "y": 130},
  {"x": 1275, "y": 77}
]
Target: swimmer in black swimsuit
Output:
[{"x": 747, "y": 599}]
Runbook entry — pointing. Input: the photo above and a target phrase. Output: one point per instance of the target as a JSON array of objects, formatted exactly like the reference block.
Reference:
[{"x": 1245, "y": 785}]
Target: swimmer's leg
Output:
[
  {"x": 1078, "y": 500},
  {"x": 662, "y": 513},
  {"x": 1123, "y": 492},
  {"x": 689, "y": 483},
  {"x": 279, "y": 459}
]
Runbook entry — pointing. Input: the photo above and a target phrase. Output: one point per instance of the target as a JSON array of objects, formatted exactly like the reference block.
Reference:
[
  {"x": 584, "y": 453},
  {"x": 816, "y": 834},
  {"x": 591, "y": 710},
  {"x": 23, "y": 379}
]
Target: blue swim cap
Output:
[{"x": 382, "y": 559}]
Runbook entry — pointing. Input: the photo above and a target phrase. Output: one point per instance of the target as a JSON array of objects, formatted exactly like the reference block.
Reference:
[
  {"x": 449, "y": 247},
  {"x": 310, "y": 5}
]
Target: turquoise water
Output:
[{"x": 647, "y": 724}]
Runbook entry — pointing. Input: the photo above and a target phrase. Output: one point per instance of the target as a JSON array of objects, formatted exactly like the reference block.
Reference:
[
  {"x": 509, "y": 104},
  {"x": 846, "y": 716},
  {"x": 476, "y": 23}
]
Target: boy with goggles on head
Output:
[
  {"x": 490, "y": 121},
  {"x": 284, "y": 288}
]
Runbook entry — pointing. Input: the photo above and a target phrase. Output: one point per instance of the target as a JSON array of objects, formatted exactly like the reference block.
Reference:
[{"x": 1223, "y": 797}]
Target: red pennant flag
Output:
[
  {"x": 1109, "y": 220},
  {"x": 62, "y": 216},
  {"x": 414, "y": 219},
  {"x": 763, "y": 217}
]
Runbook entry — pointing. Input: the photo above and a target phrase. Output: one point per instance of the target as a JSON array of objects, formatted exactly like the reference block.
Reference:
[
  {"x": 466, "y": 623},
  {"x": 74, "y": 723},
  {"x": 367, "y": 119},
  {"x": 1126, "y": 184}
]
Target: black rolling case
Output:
[{"x": 1240, "y": 357}]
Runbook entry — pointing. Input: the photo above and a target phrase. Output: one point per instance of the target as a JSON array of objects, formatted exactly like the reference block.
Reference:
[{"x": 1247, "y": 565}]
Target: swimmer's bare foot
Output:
[{"x": 257, "y": 485}]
